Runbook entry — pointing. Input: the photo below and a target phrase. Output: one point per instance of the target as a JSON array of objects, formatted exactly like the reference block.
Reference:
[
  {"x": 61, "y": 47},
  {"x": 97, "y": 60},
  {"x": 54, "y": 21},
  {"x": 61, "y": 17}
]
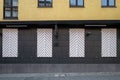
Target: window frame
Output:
[
  {"x": 76, "y": 4},
  {"x": 108, "y": 5},
  {"x": 11, "y": 7},
  {"x": 45, "y": 4}
]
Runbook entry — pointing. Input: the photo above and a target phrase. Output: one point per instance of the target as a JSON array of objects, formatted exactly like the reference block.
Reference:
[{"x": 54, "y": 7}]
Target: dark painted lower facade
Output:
[
  {"x": 27, "y": 45},
  {"x": 58, "y": 68}
]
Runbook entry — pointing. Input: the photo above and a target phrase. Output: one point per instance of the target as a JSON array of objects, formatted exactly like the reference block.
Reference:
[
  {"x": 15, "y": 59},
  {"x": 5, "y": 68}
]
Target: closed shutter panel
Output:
[
  {"x": 109, "y": 43},
  {"x": 10, "y": 43},
  {"x": 77, "y": 43},
  {"x": 44, "y": 42}
]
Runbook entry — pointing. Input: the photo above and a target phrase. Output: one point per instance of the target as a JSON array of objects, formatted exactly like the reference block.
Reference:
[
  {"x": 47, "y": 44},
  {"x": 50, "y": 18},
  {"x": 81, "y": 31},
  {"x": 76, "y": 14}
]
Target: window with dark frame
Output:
[
  {"x": 44, "y": 3},
  {"x": 10, "y": 9},
  {"x": 108, "y": 3},
  {"x": 76, "y": 3}
]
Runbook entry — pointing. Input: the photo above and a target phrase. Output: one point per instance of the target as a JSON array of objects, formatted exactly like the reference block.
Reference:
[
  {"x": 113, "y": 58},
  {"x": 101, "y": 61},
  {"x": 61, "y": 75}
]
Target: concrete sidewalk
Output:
[{"x": 62, "y": 76}]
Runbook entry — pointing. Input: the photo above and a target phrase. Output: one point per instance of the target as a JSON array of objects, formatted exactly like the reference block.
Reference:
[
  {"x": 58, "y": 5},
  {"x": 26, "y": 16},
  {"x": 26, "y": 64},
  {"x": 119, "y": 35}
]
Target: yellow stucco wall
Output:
[
  {"x": 1, "y": 10},
  {"x": 28, "y": 10}
]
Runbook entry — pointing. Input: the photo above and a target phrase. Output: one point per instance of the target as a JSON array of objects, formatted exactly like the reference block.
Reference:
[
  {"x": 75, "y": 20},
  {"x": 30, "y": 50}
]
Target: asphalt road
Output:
[{"x": 62, "y": 76}]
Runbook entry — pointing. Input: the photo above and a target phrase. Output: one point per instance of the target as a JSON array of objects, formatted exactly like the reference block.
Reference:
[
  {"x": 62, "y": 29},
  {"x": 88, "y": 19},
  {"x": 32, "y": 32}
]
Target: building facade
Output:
[{"x": 59, "y": 31}]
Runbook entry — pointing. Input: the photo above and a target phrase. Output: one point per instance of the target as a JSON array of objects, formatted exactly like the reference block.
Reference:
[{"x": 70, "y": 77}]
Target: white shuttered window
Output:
[
  {"x": 44, "y": 42},
  {"x": 10, "y": 43},
  {"x": 77, "y": 43},
  {"x": 109, "y": 43}
]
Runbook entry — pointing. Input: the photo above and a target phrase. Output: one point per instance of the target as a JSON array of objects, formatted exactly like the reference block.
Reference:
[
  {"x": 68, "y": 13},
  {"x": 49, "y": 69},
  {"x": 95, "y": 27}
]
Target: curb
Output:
[{"x": 61, "y": 74}]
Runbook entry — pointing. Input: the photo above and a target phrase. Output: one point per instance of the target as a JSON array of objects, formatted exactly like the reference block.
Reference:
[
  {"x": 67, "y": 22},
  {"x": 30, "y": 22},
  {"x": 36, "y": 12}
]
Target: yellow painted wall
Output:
[
  {"x": 28, "y": 10},
  {"x": 1, "y": 10}
]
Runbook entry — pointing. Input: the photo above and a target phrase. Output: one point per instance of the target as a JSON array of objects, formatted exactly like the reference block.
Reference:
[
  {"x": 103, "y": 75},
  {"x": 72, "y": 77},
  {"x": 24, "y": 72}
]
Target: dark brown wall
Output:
[
  {"x": 93, "y": 44},
  {"x": 27, "y": 47},
  {"x": 118, "y": 43},
  {"x": 27, "y": 42},
  {"x": 0, "y": 44},
  {"x": 61, "y": 45}
]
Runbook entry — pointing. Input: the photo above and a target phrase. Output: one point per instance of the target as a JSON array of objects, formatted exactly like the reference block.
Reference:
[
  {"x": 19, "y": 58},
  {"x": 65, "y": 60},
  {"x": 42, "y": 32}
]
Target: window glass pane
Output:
[
  {"x": 15, "y": 9},
  {"x": 7, "y": 9},
  {"x": 111, "y": 2},
  {"x": 73, "y": 2},
  {"x": 15, "y": 14},
  {"x": 41, "y": 3},
  {"x": 80, "y": 2},
  {"x": 104, "y": 2},
  {"x": 15, "y": 2},
  {"x": 41, "y": 0},
  {"x": 7, "y": 2},
  {"x": 7, "y": 13},
  {"x": 48, "y": 2}
]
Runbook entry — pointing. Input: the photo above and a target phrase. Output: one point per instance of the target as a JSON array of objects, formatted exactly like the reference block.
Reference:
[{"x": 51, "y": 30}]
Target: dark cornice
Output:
[{"x": 82, "y": 22}]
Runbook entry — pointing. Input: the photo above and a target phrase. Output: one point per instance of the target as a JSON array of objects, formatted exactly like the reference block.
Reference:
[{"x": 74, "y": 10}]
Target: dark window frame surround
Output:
[
  {"x": 45, "y": 4},
  {"x": 108, "y": 4},
  {"x": 71, "y": 6},
  {"x": 11, "y": 10}
]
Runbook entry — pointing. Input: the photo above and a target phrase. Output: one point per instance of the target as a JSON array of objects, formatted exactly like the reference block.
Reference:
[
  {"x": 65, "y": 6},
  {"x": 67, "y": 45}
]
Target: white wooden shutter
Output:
[
  {"x": 109, "y": 43},
  {"x": 44, "y": 42},
  {"x": 77, "y": 43},
  {"x": 10, "y": 43}
]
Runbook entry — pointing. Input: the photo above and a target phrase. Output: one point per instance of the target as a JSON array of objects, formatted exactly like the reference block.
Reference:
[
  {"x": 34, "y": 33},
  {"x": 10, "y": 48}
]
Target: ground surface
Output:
[{"x": 62, "y": 76}]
